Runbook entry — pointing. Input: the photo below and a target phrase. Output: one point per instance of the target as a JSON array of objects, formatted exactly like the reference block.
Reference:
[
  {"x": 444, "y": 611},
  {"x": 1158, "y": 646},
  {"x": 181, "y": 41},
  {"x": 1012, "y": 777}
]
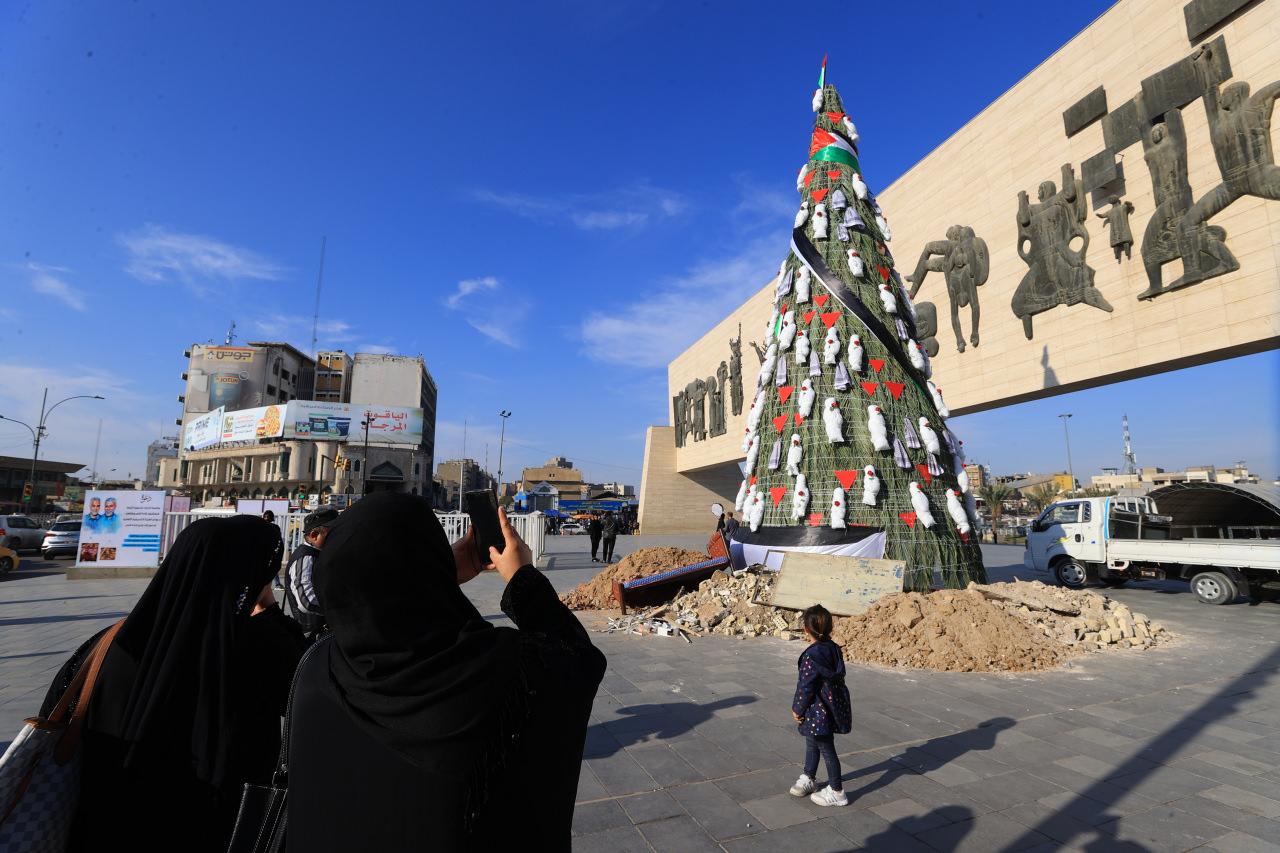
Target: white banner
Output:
[
  {"x": 203, "y": 431},
  {"x": 387, "y": 424},
  {"x": 253, "y": 424},
  {"x": 121, "y": 529},
  {"x": 770, "y": 556}
]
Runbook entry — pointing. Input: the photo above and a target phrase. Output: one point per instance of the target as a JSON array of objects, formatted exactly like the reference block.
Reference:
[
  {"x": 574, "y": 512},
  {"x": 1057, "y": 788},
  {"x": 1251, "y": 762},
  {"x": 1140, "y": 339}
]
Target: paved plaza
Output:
[{"x": 692, "y": 747}]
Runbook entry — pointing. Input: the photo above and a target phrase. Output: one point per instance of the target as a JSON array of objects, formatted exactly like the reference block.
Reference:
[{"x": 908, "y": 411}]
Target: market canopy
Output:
[{"x": 1219, "y": 505}]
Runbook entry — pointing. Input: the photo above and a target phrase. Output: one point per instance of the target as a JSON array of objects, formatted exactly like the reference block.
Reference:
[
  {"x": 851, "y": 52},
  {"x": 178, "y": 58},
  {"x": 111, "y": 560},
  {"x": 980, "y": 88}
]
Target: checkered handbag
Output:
[{"x": 40, "y": 771}]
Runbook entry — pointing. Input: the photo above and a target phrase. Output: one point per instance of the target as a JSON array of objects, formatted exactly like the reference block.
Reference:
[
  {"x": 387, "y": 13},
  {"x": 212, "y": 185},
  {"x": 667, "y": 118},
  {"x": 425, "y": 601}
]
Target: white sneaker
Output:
[
  {"x": 828, "y": 797},
  {"x": 803, "y": 786}
]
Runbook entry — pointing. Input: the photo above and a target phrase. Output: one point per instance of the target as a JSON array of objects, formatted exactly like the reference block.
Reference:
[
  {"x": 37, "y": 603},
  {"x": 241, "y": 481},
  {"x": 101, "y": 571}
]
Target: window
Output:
[
  {"x": 417, "y": 469},
  {"x": 355, "y": 465},
  {"x": 1064, "y": 514},
  {"x": 271, "y": 390},
  {"x": 66, "y": 525}
]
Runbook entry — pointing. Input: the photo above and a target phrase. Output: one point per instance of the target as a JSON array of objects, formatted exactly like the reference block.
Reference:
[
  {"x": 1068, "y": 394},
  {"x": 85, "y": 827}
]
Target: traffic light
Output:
[
  {"x": 26, "y": 492},
  {"x": 302, "y": 495}
]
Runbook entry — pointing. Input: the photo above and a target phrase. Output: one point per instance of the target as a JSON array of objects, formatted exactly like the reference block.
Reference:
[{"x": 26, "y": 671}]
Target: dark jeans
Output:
[
  {"x": 826, "y": 745},
  {"x": 595, "y": 546},
  {"x": 608, "y": 547}
]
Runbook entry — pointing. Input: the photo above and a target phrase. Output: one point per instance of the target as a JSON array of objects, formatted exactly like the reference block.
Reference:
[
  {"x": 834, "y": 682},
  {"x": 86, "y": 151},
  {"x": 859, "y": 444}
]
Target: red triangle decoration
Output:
[
  {"x": 924, "y": 472},
  {"x": 835, "y": 117},
  {"x": 808, "y": 178},
  {"x": 964, "y": 537},
  {"x": 870, "y": 388},
  {"x": 829, "y": 318},
  {"x": 782, "y": 310},
  {"x": 876, "y": 363},
  {"x": 819, "y": 195},
  {"x": 776, "y": 493},
  {"x": 785, "y": 392},
  {"x": 834, "y": 174},
  {"x": 821, "y": 299},
  {"x": 896, "y": 389},
  {"x": 780, "y": 422},
  {"x": 752, "y": 481},
  {"x": 815, "y": 519},
  {"x": 847, "y": 478},
  {"x": 799, "y": 419},
  {"x": 909, "y": 518},
  {"x": 884, "y": 273},
  {"x": 808, "y": 316}
]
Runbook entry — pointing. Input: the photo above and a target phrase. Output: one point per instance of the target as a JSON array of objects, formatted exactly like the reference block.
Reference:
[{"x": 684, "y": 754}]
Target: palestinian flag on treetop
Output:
[{"x": 832, "y": 148}]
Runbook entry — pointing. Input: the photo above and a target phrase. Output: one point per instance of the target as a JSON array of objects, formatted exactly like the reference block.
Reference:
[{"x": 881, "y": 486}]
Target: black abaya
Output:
[{"x": 420, "y": 725}]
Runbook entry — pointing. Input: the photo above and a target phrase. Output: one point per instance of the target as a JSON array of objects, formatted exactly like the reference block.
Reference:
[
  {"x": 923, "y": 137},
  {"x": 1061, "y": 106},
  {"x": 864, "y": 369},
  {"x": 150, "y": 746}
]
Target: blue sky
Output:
[{"x": 547, "y": 201}]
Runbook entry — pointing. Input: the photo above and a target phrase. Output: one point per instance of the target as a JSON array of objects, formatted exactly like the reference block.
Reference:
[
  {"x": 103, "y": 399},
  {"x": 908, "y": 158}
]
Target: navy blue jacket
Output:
[{"x": 821, "y": 695}]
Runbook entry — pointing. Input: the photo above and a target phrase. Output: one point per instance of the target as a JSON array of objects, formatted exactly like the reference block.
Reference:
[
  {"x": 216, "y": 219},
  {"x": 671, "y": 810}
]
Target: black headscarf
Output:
[
  {"x": 183, "y": 633},
  {"x": 415, "y": 665}
]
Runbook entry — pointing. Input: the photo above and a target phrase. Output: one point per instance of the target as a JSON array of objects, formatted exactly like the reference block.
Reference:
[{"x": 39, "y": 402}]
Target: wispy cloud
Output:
[
  {"x": 45, "y": 279},
  {"x": 298, "y": 327},
  {"x": 158, "y": 254},
  {"x": 633, "y": 207},
  {"x": 469, "y": 286},
  {"x": 495, "y": 332}
]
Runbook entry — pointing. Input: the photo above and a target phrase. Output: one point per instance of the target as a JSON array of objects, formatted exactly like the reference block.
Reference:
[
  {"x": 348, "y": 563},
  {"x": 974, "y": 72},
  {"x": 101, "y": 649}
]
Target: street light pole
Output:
[
  {"x": 504, "y": 414},
  {"x": 364, "y": 466},
  {"x": 38, "y": 432},
  {"x": 1067, "y": 435}
]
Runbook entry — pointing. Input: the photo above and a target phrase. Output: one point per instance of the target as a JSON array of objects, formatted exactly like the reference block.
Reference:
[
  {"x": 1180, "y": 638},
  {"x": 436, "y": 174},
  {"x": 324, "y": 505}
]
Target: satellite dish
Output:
[{"x": 717, "y": 510}]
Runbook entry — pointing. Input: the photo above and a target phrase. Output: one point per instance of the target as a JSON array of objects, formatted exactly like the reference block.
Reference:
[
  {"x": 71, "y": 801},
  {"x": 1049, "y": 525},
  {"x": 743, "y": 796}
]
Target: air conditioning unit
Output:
[
  {"x": 184, "y": 377},
  {"x": 182, "y": 398}
]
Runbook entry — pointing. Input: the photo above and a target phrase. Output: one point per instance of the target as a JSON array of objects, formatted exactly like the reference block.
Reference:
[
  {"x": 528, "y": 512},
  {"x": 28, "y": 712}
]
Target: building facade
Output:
[
  {"x": 51, "y": 483},
  {"x": 559, "y": 473},
  {"x": 398, "y": 380},
  {"x": 163, "y": 448},
  {"x": 1113, "y": 215},
  {"x": 461, "y": 475},
  {"x": 333, "y": 376}
]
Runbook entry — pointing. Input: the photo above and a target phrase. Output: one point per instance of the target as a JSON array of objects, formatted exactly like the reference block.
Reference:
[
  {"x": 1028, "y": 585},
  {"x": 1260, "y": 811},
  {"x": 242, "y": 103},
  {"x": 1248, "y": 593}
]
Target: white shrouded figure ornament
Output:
[
  {"x": 753, "y": 416},
  {"x": 755, "y": 512},
  {"x": 919, "y": 360},
  {"x": 771, "y": 329},
  {"x": 833, "y": 420},
  {"x": 787, "y": 334},
  {"x": 929, "y": 437},
  {"x": 876, "y": 427},
  {"x": 802, "y": 214},
  {"x": 746, "y": 440},
  {"x": 804, "y": 170},
  {"x": 831, "y": 347},
  {"x": 920, "y": 503},
  {"x": 795, "y": 452},
  {"x": 850, "y": 131},
  {"x": 856, "y": 267},
  {"x": 870, "y": 485},
  {"x": 800, "y": 500},
  {"x": 855, "y": 354},
  {"x": 962, "y": 477},
  {"x": 817, "y": 99},
  {"x": 883, "y": 225},
  {"x": 803, "y": 280},
  {"x": 741, "y": 499},
  {"x": 820, "y": 222},
  {"x": 807, "y": 396},
  {"x": 859, "y": 186},
  {"x": 955, "y": 509},
  {"x": 938, "y": 403},
  {"x": 837, "y": 508},
  {"x": 753, "y": 452},
  {"x": 886, "y": 299},
  {"x": 770, "y": 360},
  {"x": 802, "y": 346}
]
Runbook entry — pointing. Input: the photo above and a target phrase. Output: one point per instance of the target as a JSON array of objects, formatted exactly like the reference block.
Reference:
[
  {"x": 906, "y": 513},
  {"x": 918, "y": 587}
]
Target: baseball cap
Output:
[{"x": 319, "y": 518}]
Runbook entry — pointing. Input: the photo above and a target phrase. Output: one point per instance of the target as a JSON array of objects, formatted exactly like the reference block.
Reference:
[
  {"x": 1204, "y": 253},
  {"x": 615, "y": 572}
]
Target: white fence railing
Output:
[{"x": 530, "y": 526}]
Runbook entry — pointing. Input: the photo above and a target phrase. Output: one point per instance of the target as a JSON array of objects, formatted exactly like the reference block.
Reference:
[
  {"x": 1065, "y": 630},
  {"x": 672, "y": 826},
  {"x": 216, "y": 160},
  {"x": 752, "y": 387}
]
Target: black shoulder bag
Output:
[{"x": 264, "y": 809}]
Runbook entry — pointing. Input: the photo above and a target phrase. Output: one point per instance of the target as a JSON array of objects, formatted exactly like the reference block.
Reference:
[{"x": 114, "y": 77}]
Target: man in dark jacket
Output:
[
  {"x": 609, "y": 531},
  {"x": 300, "y": 590},
  {"x": 594, "y": 530}
]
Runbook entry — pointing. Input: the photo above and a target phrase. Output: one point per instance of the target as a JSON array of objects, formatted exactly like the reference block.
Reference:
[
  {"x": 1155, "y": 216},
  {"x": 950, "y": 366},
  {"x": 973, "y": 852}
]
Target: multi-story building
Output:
[
  {"x": 333, "y": 376},
  {"x": 559, "y": 473},
  {"x": 619, "y": 489},
  {"x": 979, "y": 475},
  {"x": 464, "y": 475},
  {"x": 163, "y": 448},
  {"x": 51, "y": 481},
  {"x": 1152, "y": 477}
]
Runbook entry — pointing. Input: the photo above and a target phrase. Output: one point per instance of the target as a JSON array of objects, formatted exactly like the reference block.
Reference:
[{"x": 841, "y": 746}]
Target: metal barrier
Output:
[{"x": 530, "y": 526}]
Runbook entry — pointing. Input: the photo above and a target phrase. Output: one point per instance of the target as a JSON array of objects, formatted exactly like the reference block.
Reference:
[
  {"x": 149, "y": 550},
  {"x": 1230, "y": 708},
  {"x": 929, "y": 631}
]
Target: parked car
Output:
[
  {"x": 8, "y": 560},
  {"x": 571, "y": 528},
  {"x": 20, "y": 532},
  {"x": 62, "y": 540}
]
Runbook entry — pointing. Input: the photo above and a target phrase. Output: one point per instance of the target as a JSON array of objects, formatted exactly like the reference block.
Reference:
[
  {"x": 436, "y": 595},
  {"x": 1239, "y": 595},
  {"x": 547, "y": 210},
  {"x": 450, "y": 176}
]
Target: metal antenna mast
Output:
[
  {"x": 1130, "y": 460},
  {"x": 231, "y": 334},
  {"x": 315, "y": 318}
]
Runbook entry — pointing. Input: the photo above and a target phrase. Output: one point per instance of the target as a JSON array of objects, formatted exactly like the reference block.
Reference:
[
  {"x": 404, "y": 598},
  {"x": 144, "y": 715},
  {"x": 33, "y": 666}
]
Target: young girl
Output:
[{"x": 821, "y": 707}]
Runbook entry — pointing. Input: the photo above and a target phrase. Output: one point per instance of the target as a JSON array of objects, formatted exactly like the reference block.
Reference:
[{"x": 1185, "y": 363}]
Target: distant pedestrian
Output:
[
  {"x": 300, "y": 597},
  {"x": 609, "y": 532},
  {"x": 821, "y": 707},
  {"x": 730, "y": 525},
  {"x": 594, "y": 530}
]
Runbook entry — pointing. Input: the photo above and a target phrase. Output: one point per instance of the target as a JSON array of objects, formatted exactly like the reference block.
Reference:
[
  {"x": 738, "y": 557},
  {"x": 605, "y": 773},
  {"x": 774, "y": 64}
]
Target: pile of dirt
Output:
[
  {"x": 597, "y": 593},
  {"x": 1003, "y": 627}
]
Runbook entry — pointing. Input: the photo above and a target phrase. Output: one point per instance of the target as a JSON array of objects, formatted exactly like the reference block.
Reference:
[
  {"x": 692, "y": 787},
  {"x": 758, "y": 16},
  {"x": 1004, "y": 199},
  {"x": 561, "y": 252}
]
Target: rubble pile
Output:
[
  {"x": 732, "y": 604},
  {"x": 1079, "y": 618},
  {"x": 597, "y": 593}
]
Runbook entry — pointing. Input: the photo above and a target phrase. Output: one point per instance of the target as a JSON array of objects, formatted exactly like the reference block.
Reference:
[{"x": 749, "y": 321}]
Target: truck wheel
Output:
[
  {"x": 1071, "y": 574},
  {"x": 6, "y": 565},
  {"x": 1214, "y": 588}
]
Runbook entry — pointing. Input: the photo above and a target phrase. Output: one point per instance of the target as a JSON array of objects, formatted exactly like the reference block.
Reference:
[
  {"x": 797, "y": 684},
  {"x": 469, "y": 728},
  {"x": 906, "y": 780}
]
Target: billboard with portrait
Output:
[
  {"x": 203, "y": 431},
  {"x": 121, "y": 528},
  {"x": 253, "y": 424}
]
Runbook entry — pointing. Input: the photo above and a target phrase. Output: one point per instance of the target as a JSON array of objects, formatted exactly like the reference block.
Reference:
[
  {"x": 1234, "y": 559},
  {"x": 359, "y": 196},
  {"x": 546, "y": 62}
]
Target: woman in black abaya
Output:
[
  {"x": 418, "y": 725},
  {"x": 188, "y": 703}
]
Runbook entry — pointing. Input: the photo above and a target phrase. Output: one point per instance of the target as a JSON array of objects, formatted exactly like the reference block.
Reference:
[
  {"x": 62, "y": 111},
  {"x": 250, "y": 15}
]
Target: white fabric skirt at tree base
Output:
[{"x": 771, "y": 555}]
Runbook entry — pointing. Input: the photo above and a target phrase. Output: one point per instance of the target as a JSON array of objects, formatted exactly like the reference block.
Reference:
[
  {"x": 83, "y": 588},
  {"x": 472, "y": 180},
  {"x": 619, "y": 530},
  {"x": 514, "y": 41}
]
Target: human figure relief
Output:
[
  {"x": 965, "y": 264},
  {"x": 1117, "y": 219}
]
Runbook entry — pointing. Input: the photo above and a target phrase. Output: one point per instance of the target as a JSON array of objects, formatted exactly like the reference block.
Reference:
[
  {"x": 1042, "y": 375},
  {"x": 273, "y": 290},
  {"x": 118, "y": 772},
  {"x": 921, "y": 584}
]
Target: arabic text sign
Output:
[
  {"x": 121, "y": 528},
  {"x": 388, "y": 424},
  {"x": 204, "y": 431}
]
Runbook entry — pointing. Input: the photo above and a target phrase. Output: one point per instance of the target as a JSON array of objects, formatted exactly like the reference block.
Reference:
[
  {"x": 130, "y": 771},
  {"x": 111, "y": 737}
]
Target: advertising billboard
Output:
[
  {"x": 121, "y": 528},
  {"x": 225, "y": 377},
  {"x": 203, "y": 431},
  {"x": 318, "y": 420},
  {"x": 387, "y": 424},
  {"x": 253, "y": 424}
]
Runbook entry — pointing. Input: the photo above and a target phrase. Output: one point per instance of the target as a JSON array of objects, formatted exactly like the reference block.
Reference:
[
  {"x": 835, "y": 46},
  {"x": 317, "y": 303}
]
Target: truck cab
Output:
[{"x": 1067, "y": 537}]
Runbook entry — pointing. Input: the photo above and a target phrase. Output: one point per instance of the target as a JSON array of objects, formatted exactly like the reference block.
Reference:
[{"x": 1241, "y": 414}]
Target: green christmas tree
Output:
[{"x": 846, "y": 440}]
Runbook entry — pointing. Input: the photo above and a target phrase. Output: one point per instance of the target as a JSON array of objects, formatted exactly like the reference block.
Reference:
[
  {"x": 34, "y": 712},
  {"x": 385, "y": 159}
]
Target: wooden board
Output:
[{"x": 846, "y": 586}]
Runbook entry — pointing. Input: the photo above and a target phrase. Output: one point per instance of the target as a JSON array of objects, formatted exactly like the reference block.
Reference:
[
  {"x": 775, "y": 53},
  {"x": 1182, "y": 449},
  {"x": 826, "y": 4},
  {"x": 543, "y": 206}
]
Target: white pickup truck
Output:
[{"x": 1117, "y": 539}]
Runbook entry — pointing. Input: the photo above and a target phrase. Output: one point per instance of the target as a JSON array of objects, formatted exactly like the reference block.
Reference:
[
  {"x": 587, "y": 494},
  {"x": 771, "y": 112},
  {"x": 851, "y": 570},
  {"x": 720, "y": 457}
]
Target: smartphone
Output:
[{"x": 482, "y": 506}]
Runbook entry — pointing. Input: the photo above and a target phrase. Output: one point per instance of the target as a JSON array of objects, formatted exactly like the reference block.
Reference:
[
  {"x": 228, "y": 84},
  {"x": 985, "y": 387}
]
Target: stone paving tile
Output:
[
  {"x": 715, "y": 811},
  {"x": 1239, "y": 842},
  {"x": 706, "y": 758},
  {"x": 914, "y": 818},
  {"x": 624, "y": 839},
  {"x": 620, "y": 774},
  {"x": 1244, "y": 800},
  {"x": 1164, "y": 783},
  {"x": 596, "y": 817},
  {"x": 760, "y": 784},
  {"x": 677, "y": 835},
  {"x": 1009, "y": 789},
  {"x": 1061, "y": 828},
  {"x": 1163, "y": 828},
  {"x": 813, "y": 837},
  {"x": 1239, "y": 764},
  {"x": 589, "y": 787},
  {"x": 779, "y": 810},
  {"x": 1232, "y": 817},
  {"x": 642, "y": 808},
  {"x": 665, "y": 766},
  {"x": 982, "y": 834}
]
